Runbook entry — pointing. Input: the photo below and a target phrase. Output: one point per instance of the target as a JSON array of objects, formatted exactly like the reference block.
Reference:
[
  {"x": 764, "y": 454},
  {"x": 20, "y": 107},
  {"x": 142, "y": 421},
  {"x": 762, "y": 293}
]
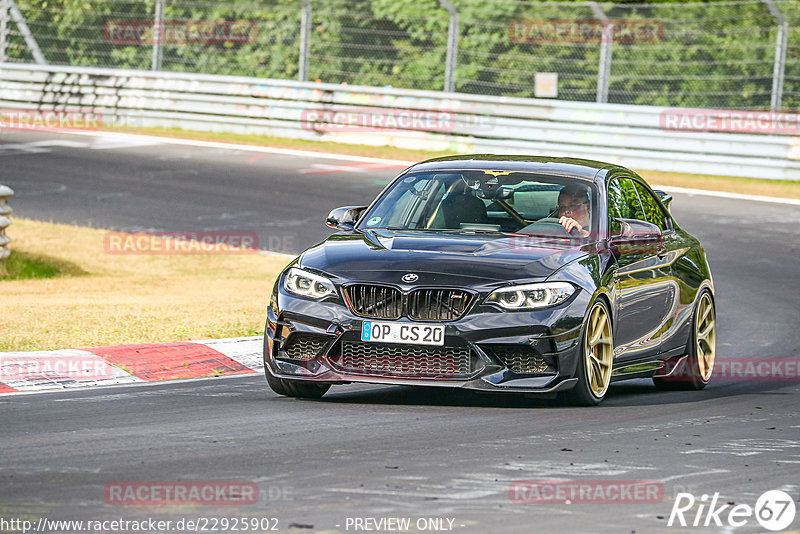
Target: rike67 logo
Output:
[{"x": 774, "y": 510}]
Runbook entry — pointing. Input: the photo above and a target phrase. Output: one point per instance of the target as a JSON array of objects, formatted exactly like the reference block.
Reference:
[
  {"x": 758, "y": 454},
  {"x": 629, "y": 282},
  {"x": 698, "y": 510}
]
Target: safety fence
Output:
[{"x": 702, "y": 141}]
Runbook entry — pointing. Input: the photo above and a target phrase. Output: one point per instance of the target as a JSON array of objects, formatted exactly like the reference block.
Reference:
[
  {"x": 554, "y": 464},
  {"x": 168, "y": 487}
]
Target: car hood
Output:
[{"x": 457, "y": 258}]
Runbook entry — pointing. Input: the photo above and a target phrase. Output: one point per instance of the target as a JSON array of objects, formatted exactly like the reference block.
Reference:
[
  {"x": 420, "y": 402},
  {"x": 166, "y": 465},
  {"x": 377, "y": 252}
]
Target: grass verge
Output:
[
  {"x": 25, "y": 266},
  {"x": 730, "y": 184},
  {"x": 94, "y": 298}
]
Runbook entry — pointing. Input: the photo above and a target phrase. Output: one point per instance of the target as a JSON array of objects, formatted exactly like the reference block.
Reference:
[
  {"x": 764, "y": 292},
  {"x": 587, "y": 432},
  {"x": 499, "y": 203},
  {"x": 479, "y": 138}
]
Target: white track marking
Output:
[
  {"x": 20, "y": 148},
  {"x": 543, "y": 469},
  {"x": 747, "y": 447},
  {"x": 322, "y": 168},
  {"x": 107, "y": 141},
  {"x": 58, "y": 142},
  {"x": 695, "y": 473},
  {"x": 319, "y": 168},
  {"x": 251, "y": 148}
]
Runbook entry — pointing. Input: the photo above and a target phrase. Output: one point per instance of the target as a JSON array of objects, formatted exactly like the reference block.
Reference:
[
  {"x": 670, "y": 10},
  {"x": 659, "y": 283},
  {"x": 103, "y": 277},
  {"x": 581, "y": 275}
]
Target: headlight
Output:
[
  {"x": 531, "y": 296},
  {"x": 307, "y": 284}
]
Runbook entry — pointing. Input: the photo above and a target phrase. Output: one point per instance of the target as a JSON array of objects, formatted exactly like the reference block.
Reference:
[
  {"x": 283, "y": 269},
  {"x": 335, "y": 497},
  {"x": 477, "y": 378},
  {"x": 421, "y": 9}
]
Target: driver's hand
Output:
[{"x": 569, "y": 224}]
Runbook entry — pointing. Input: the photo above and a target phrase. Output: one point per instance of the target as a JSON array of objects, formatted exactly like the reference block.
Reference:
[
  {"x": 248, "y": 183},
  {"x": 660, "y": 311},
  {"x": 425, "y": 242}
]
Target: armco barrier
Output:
[
  {"x": 630, "y": 135},
  {"x": 5, "y": 210}
]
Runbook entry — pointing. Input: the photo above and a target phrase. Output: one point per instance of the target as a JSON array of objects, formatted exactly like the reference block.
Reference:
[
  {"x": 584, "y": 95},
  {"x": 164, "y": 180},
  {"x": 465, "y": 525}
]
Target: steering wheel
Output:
[{"x": 550, "y": 225}]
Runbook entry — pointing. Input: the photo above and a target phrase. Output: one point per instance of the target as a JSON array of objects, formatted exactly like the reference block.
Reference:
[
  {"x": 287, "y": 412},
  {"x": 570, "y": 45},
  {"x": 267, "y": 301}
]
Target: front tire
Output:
[
  {"x": 695, "y": 373},
  {"x": 596, "y": 358},
  {"x": 296, "y": 388}
]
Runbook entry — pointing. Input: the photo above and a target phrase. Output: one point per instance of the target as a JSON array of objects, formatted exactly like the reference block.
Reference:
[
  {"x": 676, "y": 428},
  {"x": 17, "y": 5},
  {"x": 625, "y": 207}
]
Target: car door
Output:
[
  {"x": 671, "y": 247},
  {"x": 644, "y": 290}
]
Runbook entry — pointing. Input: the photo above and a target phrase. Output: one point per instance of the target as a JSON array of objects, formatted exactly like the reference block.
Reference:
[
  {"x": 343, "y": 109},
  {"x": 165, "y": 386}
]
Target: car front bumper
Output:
[{"x": 521, "y": 352}]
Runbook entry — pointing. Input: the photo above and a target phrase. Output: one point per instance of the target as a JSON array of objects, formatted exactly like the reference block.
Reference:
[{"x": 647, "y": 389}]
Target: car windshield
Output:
[{"x": 484, "y": 201}]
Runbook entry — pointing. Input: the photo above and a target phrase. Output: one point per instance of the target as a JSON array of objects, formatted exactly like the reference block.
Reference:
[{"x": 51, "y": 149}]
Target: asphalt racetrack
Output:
[{"x": 379, "y": 452}]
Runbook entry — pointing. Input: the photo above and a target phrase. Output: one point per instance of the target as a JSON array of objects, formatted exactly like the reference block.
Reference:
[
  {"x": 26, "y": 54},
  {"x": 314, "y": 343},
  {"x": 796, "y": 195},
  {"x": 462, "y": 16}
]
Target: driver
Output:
[{"x": 574, "y": 210}]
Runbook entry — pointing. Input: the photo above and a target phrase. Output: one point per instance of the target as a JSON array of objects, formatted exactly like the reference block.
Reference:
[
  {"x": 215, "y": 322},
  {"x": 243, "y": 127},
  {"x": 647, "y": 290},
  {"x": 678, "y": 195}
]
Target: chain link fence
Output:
[{"x": 725, "y": 54}]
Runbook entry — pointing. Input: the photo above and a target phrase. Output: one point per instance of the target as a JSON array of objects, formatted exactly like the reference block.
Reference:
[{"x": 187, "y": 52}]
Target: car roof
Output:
[{"x": 579, "y": 168}]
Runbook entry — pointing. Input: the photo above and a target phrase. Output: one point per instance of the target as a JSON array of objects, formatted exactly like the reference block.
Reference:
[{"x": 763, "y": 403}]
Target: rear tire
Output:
[
  {"x": 596, "y": 361},
  {"x": 695, "y": 372},
  {"x": 296, "y": 388}
]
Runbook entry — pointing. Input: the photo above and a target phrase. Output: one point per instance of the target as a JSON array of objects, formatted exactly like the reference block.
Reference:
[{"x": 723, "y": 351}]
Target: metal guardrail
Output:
[
  {"x": 630, "y": 135},
  {"x": 5, "y": 210},
  {"x": 733, "y": 54}
]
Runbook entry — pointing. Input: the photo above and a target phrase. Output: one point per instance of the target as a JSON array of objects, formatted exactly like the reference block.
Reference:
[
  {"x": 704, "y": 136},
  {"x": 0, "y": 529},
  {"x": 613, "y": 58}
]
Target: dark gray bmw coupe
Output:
[{"x": 498, "y": 273}]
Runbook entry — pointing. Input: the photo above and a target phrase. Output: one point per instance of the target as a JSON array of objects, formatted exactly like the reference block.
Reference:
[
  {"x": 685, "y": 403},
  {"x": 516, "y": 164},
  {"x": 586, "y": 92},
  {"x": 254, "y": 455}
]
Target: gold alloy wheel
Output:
[
  {"x": 598, "y": 349},
  {"x": 705, "y": 337}
]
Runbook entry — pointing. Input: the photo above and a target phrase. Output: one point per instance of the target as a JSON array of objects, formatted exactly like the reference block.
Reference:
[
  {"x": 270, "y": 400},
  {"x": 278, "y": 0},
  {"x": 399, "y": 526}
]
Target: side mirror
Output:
[
  {"x": 635, "y": 230},
  {"x": 344, "y": 218},
  {"x": 635, "y": 237},
  {"x": 664, "y": 197}
]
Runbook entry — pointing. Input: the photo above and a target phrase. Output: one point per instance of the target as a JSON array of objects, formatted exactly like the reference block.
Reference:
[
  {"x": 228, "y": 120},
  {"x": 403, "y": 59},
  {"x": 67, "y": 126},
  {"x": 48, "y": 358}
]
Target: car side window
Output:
[
  {"x": 623, "y": 202},
  {"x": 652, "y": 210}
]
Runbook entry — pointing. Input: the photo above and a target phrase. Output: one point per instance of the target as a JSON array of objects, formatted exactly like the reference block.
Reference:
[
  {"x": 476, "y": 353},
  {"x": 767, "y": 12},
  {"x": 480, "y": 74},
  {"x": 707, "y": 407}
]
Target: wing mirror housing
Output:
[
  {"x": 634, "y": 236},
  {"x": 344, "y": 218},
  {"x": 635, "y": 230}
]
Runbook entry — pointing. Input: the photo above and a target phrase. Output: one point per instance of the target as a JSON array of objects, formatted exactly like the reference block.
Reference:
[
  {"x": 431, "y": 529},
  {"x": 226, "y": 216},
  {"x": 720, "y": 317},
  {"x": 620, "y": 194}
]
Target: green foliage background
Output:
[{"x": 712, "y": 55}]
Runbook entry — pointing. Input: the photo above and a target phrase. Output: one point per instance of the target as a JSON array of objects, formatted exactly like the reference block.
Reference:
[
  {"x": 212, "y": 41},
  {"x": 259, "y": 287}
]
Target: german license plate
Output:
[{"x": 411, "y": 333}]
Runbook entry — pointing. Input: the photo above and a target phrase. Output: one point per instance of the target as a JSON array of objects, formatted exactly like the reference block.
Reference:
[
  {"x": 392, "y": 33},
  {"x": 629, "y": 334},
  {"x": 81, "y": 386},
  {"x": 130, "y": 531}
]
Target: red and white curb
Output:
[{"x": 22, "y": 372}]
